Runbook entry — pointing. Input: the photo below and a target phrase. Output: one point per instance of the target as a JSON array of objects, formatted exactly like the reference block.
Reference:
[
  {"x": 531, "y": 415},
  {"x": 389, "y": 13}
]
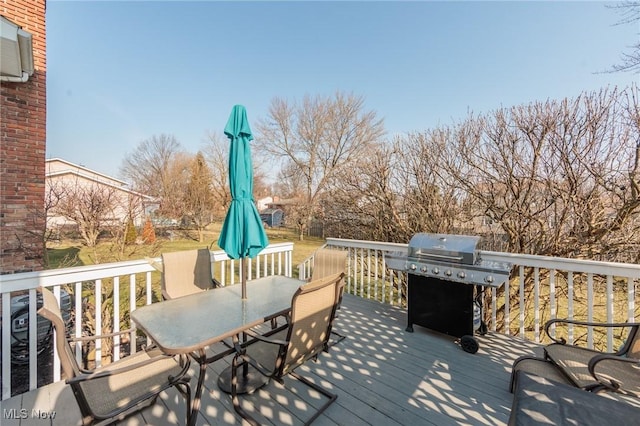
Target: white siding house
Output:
[{"x": 62, "y": 176}]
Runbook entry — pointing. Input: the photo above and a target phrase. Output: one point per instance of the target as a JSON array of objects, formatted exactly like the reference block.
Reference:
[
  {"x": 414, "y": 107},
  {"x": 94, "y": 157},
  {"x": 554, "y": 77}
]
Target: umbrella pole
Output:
[
  {"x": 250, "y": 379},
  {"x": 243, "y": 277}
]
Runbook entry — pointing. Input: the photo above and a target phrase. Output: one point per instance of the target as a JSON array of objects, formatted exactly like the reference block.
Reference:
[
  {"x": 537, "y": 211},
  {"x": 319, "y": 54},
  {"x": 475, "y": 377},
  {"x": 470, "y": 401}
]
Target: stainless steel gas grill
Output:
[{"x": 445, "y": 277}]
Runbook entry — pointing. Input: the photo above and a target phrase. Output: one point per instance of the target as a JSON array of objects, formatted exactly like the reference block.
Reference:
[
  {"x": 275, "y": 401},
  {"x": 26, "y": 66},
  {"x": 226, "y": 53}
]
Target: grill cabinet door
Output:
[{"x": 442, "y": 306}]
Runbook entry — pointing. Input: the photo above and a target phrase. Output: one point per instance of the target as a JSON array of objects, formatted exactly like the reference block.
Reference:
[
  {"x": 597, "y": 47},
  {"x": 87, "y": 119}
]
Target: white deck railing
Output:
[
  {"x": 541, "y": 288},
  {"x": 276, "y": 259}
]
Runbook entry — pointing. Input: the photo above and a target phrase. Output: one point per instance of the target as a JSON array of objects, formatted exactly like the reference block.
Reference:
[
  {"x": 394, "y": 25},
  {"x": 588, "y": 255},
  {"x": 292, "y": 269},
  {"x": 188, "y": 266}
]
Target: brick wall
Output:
[{"x": 22, "y": 149}]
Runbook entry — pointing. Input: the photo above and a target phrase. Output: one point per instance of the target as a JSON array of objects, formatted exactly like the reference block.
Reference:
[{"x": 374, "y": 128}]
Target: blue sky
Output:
[{"x": 119, "y": 72}]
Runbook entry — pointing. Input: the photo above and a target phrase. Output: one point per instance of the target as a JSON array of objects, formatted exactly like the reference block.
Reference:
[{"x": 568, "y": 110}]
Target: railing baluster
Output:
[
  {"x": 362, "y": 272},
  {"x": 369, "y": 273},
  {"x": 536, "y": 304},
  {"x": 149, "y": 298},
  {"x": 570, "y": 312},
  {"x": 132, "y": 307},
  {"x": 609, "y": 301},
  {"x": 349, "y": 262},
  {"x": 223, "y": 272},
  {"x": 552, "y": 293},
  {"x": 33, "y": 338},
  {"x": 521, "y": 302},
  {"x": 507, "y": 304},
  {"x": 631, "y": 306},
  {"x": 590, "y": 309},
  {"x": 6, "y": 342},
  {"x": 116, "y": 318},
  {"x": 78, "y": 319},
  {"x": 384, "y": 276},
  {"x": 493, "y": 309},
  {"x": 98, "y": 295},
  {"x": 376, "y": 280}
]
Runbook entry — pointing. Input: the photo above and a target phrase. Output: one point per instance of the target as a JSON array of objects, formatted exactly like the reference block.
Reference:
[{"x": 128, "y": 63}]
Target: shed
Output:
[{"x": 272, "y": 217}]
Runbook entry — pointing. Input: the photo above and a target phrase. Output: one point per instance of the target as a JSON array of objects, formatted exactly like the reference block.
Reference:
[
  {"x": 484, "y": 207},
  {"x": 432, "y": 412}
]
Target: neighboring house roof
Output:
[
  {"x": 54, "y": 165},
  {"x": 284, "y": 202},
  {"x": 57, "y": 167}
]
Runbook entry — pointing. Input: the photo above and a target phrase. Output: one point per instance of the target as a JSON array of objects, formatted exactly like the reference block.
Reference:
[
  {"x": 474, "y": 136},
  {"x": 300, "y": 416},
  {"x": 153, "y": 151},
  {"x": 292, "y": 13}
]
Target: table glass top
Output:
[{"x": 192, "y": 322}]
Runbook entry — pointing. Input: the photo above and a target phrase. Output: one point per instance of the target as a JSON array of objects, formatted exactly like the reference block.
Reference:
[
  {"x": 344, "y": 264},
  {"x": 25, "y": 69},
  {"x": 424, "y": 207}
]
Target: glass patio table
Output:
[{"x": 189, "y": 324}]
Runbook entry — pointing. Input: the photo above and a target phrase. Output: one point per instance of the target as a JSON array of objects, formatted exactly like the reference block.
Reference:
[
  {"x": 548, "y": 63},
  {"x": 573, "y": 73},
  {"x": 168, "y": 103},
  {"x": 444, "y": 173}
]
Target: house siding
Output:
[{"x": 23, "y": 148}]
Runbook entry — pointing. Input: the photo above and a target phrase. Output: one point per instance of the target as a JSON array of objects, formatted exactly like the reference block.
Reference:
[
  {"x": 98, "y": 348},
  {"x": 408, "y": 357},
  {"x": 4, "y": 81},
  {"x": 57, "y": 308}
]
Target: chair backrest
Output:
[
  {"x": 51, "y": 311},
  {"x": 312, "y": 309},
  {"x": 186, "y": 272},
  {"x": 328, "y": 262},
  {"x": 633, "y": 342}
]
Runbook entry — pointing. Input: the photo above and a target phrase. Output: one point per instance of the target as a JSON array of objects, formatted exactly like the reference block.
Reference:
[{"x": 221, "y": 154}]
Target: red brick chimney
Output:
[{"x": 23, "y": 118}]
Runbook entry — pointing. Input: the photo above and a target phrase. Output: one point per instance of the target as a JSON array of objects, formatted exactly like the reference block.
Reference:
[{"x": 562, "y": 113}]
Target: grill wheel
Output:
[{"x": 469, "y": 344}]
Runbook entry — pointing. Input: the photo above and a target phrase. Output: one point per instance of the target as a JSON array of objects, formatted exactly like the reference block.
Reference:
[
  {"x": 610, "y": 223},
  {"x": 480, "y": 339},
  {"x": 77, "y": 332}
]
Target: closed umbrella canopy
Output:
[{"x": 242, "y": 233}]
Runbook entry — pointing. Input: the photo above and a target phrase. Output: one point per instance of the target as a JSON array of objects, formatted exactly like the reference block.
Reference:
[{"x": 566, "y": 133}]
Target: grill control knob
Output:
[
  {"x": 423, "y": 269},
  {"x": 462, "y": 274},
  {"x": 448, "y": 272},
  {"x": 488, "y": 279},
  {"x": 436, "y": 271},
  {"x": 413, "y": 266}
]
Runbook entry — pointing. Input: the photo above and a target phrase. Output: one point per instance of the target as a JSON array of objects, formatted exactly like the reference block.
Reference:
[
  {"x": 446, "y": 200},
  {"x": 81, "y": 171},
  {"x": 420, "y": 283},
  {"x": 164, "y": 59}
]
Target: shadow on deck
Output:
[{"x": 381, "y": 374}]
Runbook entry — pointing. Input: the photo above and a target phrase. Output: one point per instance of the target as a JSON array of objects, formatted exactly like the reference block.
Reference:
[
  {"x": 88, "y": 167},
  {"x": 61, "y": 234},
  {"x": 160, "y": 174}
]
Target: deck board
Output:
[{"x": 381, "y": 373}]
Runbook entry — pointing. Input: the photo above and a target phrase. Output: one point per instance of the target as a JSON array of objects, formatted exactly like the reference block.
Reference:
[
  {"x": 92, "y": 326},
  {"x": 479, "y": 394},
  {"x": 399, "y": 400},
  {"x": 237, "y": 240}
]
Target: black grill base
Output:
[{"x": 440, "y": 305}]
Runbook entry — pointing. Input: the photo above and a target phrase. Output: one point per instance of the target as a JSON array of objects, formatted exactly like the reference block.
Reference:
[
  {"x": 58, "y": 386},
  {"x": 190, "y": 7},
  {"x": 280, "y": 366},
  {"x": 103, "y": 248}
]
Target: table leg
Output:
[
  {"x": 195, "y": 404},
  {"x": 248, "y": 381}
]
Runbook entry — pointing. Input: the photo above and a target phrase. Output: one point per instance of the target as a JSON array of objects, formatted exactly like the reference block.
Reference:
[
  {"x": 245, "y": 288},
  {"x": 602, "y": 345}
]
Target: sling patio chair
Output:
[
  {"x": 109, "y": 394},
  {"x": 327, "y": 262},
  {"x": 593, "y": 370},
  {"x": 186, "y": 272},
  {"x": 313, "y": 307}
]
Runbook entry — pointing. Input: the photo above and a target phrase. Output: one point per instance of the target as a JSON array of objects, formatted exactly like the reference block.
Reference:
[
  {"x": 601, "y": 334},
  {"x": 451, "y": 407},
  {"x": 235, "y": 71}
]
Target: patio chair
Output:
[
  {"x": 186, "y": 272},
  {"x": 327, "y": 262},
  {"x": 113, "y": 392},
  {"x": 598, "y": 371},
  {"x": 278, "y": 355}
]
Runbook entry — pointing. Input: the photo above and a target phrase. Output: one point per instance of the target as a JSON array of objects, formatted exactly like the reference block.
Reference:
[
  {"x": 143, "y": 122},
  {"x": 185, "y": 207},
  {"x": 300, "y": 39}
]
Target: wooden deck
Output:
[{"x": 381, "y": 374}]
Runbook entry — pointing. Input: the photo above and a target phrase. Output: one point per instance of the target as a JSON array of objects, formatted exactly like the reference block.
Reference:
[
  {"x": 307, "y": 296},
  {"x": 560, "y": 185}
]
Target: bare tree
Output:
[
  {"x": 199, "y": 200},
  {"x": 157, "y": 167},
  {"x": 39, "y": 216},
  {"x": 216, "y": 153},
  {"x": 91, "y": 206},
  {"x": 558, "y": 178},
  {"x": 397, "y": 190},
  {"x": 317, "y": 139},
  {"x": 630, "y": 12}
]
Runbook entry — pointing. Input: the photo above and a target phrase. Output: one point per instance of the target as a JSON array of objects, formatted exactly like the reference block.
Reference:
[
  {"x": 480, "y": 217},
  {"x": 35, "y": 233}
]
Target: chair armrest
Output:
[
  {"x": 241, "y": 351},
  {"x": 264, "y": 338},
  {"x": 562, "y": 341},
  {"x": 99, "y": 336},
  {"x": 184, "y": 362},
  {"x": 616, "y": 373}
]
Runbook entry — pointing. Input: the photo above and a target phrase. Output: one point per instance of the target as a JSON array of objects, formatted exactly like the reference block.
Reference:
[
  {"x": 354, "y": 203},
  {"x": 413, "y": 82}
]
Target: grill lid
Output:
[{"x": 460, "y": 249}]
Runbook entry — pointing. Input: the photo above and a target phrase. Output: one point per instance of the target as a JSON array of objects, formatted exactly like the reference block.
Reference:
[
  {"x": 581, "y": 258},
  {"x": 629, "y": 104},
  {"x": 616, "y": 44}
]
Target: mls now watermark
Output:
[{"x": 15, "y": 413}]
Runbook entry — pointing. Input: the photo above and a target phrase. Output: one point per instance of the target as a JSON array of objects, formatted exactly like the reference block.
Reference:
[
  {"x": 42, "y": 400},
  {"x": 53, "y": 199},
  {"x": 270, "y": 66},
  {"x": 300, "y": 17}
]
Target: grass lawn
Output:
[{"x": 74, "y": 253}]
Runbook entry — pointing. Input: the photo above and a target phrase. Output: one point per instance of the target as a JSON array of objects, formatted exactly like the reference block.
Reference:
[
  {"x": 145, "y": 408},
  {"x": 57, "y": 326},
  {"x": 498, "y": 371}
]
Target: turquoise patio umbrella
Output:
[{"x": 242, "y": 233}]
